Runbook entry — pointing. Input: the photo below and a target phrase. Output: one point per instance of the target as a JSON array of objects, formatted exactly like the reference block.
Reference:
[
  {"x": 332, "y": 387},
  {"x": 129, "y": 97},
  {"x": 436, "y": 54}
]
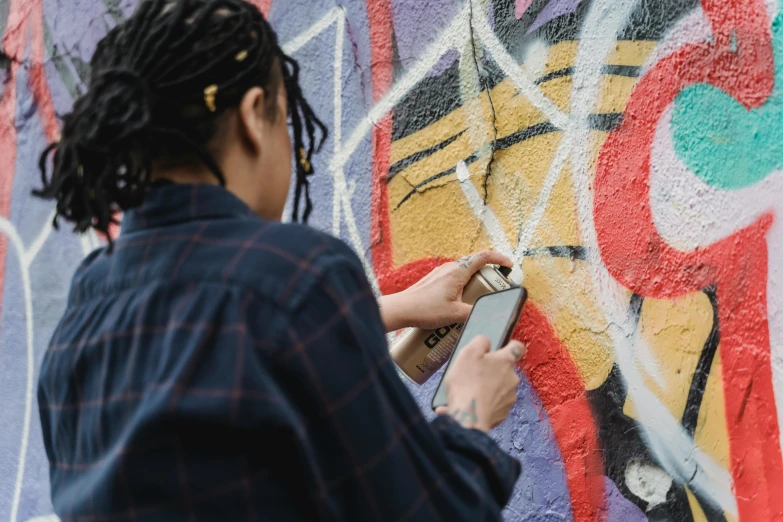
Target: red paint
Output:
[
  {"x": 37, "y": 78},
  {"x": 551, "y": 371},
  {"x": 638, "y": 257},
  {"x": 13, "y": 45},
  {"x": 556, "y": 379},
  {"x": 263, "y": 5},
  {"x": 7, "y": 161}
]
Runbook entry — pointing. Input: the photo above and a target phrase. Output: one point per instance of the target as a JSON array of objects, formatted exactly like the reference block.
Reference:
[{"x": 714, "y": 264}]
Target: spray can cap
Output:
[{"x": 512, "y": 274}]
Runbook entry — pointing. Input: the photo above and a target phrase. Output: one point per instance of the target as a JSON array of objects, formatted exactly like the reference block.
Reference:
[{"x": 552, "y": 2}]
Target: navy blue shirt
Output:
[{"x": 219, "y": 367}]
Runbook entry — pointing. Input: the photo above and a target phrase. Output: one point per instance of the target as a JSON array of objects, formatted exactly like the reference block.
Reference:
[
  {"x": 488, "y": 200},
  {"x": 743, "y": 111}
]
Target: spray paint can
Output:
[{"x": 420, "y": 353}]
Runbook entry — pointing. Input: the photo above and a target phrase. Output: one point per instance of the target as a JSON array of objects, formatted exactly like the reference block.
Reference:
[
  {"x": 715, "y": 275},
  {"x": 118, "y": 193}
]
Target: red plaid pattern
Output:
[{"x": 217, "y": 367}]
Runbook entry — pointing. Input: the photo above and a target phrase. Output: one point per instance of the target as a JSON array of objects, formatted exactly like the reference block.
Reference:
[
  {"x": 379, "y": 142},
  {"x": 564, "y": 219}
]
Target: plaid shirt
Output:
[{"x": 219, "y": 367}]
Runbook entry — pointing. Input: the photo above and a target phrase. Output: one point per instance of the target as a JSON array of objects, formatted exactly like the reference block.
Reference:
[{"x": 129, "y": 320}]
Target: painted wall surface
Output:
[{"x": 629, "y": 153}]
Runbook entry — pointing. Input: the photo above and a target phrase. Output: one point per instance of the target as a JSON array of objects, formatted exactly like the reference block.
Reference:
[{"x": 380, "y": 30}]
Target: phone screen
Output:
[{"x": 493, "y": 316}]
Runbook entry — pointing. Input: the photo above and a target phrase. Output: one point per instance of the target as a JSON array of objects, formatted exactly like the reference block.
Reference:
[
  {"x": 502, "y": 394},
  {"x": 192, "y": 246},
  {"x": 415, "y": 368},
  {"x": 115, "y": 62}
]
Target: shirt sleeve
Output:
[{"x": 372, "y": 447}]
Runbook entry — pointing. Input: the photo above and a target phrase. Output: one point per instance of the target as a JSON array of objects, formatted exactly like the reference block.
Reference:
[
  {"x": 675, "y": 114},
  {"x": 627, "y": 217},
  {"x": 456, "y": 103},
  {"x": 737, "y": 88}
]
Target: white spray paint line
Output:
[
  {"x": 341, "y": 204},
  {"x": 524, "y": 82},
  {"x": 450, "y": 38},
  {"x": 312, "y": 32},
  {"x": 35, "y": 247},
  {"x": 338, "y": 117},
  {"x": 552, "y": 176},
  {"x": 294, "y": 45},
  {"x": 686, "y": 224},
  {"x": 528, "y": 88},
  {"x": 7, "y": 228},
  {"x": 664, "y": 435},
  {"x": 536, "y": 57},
  {"x": 484, "y": 213}
]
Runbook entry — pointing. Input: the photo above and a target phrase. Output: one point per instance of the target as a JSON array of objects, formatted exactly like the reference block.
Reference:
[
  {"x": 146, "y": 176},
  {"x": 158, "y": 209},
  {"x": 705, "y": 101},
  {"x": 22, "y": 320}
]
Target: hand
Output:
[
  {"x": 481, "y": 387},
  {"x": 436, "y": 300}
]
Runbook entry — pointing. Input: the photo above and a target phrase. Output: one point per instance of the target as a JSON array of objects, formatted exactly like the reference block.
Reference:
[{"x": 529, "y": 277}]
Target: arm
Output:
[
  {"x": 436, "y": 299},
  {"x": 376, "y": 451}
]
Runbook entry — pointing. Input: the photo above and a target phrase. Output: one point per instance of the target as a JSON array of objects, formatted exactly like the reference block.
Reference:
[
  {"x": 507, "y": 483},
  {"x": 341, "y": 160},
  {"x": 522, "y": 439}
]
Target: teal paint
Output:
[{"x": 723, "y": 143}]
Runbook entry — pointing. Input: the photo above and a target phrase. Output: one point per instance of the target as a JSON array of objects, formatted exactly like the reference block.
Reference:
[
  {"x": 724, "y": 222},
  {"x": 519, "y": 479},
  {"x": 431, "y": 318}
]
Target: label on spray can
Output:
[{"x": 420, "y": 353}]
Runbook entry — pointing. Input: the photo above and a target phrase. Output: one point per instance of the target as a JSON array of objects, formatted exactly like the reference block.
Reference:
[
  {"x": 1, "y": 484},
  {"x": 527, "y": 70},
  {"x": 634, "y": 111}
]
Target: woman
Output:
[{"x": 213, "y": 363}]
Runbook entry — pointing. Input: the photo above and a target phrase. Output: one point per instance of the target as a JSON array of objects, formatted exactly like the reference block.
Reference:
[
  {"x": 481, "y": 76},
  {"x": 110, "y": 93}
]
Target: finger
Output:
[
  {"x": 512, "y": 352},
  {"x": 461, "y": 312},
  {"x": 442, "y": 410},
  {"x": 476, "y": 262},
  {"x": 518, "y": 350},
  {"x": 496, "y": 258},
  {"x": 477, "y": 347}
]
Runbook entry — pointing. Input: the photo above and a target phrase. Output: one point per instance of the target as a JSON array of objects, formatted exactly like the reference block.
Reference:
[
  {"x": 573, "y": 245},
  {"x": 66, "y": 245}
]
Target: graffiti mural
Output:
[{"x": 627, "y": 153}]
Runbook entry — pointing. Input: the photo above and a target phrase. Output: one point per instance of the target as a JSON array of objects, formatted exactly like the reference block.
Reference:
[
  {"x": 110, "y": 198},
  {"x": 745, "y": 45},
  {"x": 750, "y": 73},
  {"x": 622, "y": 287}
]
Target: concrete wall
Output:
[{"x": 628, "y": 152}]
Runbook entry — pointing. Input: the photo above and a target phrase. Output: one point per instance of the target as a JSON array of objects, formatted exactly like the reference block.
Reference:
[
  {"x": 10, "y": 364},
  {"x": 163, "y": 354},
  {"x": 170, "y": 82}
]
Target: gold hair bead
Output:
[
  {"x": 209, "y": 97},
  {"x": 241, "y": 55},
  {"x": 80, "y": 171},
  {"x": 303, "y": 160}
]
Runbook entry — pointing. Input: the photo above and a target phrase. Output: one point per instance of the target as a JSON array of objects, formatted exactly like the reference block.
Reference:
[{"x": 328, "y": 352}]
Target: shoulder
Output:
[{"x": 288, "y": 262}]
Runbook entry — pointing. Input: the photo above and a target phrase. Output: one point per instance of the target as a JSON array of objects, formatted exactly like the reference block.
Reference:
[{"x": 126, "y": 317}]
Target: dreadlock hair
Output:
[{"x": 158, "y": 85}]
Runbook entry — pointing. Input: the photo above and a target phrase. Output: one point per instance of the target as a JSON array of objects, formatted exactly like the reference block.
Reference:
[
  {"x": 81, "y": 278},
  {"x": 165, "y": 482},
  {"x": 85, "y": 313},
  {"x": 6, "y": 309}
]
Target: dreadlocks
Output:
[{"x": 159, "y": 83}]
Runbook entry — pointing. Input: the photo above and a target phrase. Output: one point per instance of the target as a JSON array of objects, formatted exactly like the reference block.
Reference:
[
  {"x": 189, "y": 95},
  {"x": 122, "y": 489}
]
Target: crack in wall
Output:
[{"x": 482, "y": 78}]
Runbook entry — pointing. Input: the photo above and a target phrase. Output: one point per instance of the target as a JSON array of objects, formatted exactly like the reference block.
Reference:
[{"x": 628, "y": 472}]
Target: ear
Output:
[{"x": 253, "y": 125}]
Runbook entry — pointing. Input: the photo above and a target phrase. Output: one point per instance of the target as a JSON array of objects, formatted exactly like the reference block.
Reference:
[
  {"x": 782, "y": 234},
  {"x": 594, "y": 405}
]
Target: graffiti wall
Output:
[{"x": 628, "y": 153}]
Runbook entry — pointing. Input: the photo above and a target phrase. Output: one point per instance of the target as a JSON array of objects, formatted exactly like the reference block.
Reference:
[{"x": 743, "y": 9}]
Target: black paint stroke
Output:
[
  {"x": 621, "y": 440},
  {"x": 676, "y": 508},
  {"x": 601, "y": 122},
  {"x": 433, "y": 98},
  {"x": 418, "y": 156},
  {"x": 630, "y": 71},
  {"x": 690, "y": 416},
  {"x": 5, "y": 61},
  {"x": 606, "y": 122},
  {"x": 569, "y": 252},
  {"x": 503, "y": 143}
]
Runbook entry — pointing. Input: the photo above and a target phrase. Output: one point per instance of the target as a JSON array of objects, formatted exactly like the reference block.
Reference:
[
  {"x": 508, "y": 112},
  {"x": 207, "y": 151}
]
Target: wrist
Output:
[
  {"x": 394, "y": 311},
  {"x": 466, "y": 415}
]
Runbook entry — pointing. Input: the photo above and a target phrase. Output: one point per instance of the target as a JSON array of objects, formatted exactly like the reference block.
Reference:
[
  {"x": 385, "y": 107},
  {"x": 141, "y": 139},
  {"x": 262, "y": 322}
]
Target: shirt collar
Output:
[{"x": 179, "y": 203}]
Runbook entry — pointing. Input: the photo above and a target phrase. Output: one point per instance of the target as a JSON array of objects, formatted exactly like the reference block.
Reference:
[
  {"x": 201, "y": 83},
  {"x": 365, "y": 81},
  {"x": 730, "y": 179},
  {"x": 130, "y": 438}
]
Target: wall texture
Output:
[{"x": 629, "y": 153}]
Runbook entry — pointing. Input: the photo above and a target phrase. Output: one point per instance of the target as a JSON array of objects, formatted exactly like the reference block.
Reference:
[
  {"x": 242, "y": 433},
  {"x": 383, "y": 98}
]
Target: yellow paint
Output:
[
  {"x": 698, "y": 513},
  {"x": 626, "y": 52},
  {"x": 631, "y": 52},
  {"x": 438, "y": 222},
  {"x": 515, "y": 112},
  {"x": 711, "y": 433},
  {"x": 674, "y": 332},
  {"x": 571, "y": 309}
]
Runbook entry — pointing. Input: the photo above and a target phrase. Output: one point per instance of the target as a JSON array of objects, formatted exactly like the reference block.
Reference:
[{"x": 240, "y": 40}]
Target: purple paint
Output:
[
  {"x": 418, "y": 24},
  {"x": 553, "y": 9},
  {"x": 620, "y": 508}
]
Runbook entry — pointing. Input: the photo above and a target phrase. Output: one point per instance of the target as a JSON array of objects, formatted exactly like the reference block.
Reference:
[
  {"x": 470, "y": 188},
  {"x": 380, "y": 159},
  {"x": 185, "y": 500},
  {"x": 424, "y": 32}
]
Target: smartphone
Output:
[{"x": 494, "y": 316}]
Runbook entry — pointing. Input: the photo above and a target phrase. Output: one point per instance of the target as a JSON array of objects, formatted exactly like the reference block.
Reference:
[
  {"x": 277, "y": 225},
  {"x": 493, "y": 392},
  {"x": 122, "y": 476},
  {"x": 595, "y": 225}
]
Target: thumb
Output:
[
  {"x": 513, "y": 351},
  {"x": 442, "y": 410}
]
